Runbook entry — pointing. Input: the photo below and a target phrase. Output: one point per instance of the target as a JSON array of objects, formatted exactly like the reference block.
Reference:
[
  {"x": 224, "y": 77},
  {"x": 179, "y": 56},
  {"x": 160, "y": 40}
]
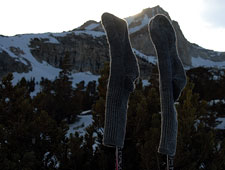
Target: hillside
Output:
[{"x": 40, "y": 55}]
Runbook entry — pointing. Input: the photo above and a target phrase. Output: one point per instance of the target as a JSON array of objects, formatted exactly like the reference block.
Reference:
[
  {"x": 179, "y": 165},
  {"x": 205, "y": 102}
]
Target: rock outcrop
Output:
[
  {"x": 9, "y": 64},
  {"x": 86, "y": 52}
]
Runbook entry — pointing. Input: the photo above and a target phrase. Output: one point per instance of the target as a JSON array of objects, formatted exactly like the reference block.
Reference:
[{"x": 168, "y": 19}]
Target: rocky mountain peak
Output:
[
  {"x": 89, "y": 25},
  {"x": 88, "y": 49},
  {"x": 148, "y": 12}
]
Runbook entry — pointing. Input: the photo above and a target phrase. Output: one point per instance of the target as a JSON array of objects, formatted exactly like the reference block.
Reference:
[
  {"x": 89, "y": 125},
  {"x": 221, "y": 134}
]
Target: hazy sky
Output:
[{"x": 202, "y": 21}]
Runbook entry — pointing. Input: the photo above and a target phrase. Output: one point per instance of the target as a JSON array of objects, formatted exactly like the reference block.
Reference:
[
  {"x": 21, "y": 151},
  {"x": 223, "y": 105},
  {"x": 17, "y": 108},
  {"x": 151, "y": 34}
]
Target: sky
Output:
[{"x": 201, "y": 21}]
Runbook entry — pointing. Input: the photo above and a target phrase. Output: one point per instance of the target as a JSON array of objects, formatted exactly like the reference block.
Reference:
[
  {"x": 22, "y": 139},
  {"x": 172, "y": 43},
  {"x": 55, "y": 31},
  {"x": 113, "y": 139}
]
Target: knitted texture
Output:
[
  {"x": 172, "y": 79},
  {"x": 124, "y": 71}
]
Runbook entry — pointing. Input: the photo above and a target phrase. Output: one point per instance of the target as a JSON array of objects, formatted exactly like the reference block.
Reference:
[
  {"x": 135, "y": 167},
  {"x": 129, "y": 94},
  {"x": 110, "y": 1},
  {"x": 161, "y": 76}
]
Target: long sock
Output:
[
  {"x": 178, "y": 73},
  {"x": 172, "y": 79},
  {"x": 124, "y": 71}
]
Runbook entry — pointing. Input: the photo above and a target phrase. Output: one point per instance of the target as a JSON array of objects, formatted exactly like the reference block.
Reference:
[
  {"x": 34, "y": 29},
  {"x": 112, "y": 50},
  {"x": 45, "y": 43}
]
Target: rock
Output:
[
  {"x": 9, "y": 64},
  {"x": 86, "y": 52}
]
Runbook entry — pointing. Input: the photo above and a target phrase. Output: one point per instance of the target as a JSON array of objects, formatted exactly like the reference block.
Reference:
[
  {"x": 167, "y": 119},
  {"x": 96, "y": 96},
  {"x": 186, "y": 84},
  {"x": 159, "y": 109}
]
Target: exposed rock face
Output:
[
  {"x": 86, "y": 52},
  {"x": 183, "y": 45},
  {"x": 9, "y": 64},
  {"x": 140, "y": 37},
  {"x": 88, "y": 49},
  {"x": 197, "y": 51}
]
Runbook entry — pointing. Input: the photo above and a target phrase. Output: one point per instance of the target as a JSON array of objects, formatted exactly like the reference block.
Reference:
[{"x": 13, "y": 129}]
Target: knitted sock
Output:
[
  {"x": 124, "y": 71},
  {"x": 164, "y": 29},
  {"x": 172, "y": 79},
  {"x": 178, "y": 74}
]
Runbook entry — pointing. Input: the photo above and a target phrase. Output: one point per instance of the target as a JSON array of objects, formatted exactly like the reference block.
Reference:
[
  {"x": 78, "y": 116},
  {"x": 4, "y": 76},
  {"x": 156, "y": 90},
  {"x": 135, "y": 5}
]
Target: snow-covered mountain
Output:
[{"x": 40, "y": 55}]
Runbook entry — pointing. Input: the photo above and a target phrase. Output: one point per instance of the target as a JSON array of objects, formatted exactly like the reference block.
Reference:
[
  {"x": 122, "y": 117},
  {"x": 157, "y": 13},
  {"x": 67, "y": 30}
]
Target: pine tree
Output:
[
  {"x": 193, "y": 152},
  {"x": 17, "y": 115},
  {"x": 143, "y": 127},
  {"x": 104, "y": 156},
  {"x": 90, "y": 95},
  {"x": 56, "y": 97},
  {"x": 99, "y": 106}
]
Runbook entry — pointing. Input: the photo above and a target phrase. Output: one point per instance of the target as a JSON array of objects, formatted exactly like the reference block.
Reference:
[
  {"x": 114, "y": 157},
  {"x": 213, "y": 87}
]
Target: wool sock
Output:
[
  {"x": 172, "y": 79},
  {"x": 124, "y": 71},
  {"x": 178, "y": 74}
]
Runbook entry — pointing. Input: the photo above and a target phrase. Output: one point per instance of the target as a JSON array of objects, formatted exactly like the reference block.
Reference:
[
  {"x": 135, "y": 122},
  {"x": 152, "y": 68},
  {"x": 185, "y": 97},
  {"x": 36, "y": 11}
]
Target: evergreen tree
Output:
[
  {"x": 193, "y": 152},
  {"x": 90, "y": 95},
  {"x": 16, "y": 117},
  {"x": 104, "y": 156},
  {"x": 56, "y": 97}
]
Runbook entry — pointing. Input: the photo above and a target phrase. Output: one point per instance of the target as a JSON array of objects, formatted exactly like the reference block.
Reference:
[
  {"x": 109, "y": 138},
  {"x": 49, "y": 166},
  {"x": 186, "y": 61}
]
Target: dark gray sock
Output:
[
  {"x": 166, "y": 32},
  {"x": 124, "y": 71},
  {"x": 172, "y": 79}
]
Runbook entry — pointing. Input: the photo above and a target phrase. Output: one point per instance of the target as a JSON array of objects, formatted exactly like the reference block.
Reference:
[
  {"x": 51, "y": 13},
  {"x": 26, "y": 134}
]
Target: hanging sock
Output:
[
  {"x": 118, "y": 158},
  {"x": 124, "y": 70},
  {"x": 172, "y": 79}
]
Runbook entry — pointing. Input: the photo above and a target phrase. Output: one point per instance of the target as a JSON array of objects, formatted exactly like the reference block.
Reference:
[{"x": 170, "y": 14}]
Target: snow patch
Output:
[
  {"x": 48, "y": 36},
  {"x": 91, "y": 26},
  {"x": 38, "y": 71},
  {"x": 53, "y": 160},
  {"x": 200, "y": 62},
  {"x": 84, "y": 120},
  {"x": 150, "y": 59},
  {"x": 84, "y": 76},
  {"x": 61, "y": 34},
  {"x": 22, "y": 42},
  {"x": 212, "y": 102},
  {"x": 37, "y": 89},
  {"x": 85, "y": 112},
  {"x": 144, "y": 22},
  {"x": 145, "y": 83},
  {"x": 42, "y": 69},
  {"x": 221, "y": 126},
  {"x": 89, "y": 32},
  {"x": 11, "y": 54},
  {"x": 129, "y": 20},
  {"x": 51, "y": 75}
]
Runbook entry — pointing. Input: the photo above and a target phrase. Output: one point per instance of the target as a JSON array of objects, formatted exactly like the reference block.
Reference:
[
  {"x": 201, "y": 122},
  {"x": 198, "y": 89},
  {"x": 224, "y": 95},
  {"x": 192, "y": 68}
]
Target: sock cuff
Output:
[{"x": 115, "y": 117}]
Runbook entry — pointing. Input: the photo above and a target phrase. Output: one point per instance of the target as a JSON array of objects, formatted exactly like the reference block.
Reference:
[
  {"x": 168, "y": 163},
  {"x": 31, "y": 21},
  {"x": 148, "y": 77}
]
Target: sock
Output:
[
  {"x": 124, "y": 71},
  {"x": 167, "y": 33},
  {"x": 172, "y": 79},
  {"x": 178, "y": 74}
]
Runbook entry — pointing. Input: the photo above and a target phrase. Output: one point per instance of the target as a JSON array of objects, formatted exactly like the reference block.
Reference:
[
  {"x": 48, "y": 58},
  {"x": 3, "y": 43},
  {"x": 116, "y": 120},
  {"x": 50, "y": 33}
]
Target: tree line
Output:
[{"x": 33, "y": 128}]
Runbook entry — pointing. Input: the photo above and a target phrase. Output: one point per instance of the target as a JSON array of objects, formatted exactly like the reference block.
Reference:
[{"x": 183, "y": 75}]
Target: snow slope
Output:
[
  {"x": 84, "y": 120},
  {"x": 22, "y": 42},
  {"x": 144, "y": 21},
  {"x": 150, "y": 59},
  {"x": 200, "y": 62},
  {"x": 40, "y": 69},
  {"x": 222, "y": 123}
]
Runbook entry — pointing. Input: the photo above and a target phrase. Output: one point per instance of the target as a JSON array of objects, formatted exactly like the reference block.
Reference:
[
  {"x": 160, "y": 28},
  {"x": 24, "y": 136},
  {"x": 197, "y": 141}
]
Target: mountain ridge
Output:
[
  {"x": 186, "y": 49},
  {"x": 88, "y": 49}
]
